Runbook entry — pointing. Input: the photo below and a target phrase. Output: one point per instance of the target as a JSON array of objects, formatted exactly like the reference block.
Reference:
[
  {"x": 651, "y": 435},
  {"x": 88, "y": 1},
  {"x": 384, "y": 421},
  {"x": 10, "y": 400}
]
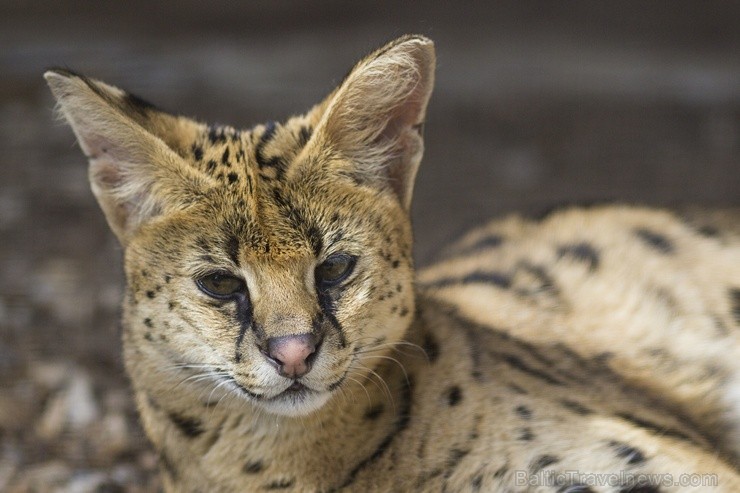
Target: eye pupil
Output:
[
  {"x": 334, "y": 269},
  {"x": 220, "y": 285}
]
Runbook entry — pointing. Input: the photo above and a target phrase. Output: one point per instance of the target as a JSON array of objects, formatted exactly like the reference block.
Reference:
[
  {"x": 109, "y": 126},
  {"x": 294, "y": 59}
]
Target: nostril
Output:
[{"x": 292, "y": 355}]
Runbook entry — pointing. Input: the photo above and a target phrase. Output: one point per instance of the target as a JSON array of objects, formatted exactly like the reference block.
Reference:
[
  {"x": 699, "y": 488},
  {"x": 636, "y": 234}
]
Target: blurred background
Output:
[{"x": 536, "y": 104}]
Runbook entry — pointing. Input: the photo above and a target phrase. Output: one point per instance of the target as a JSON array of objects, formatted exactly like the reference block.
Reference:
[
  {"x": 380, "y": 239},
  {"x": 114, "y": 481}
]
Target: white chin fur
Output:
[{"x": 295, "y": 406}]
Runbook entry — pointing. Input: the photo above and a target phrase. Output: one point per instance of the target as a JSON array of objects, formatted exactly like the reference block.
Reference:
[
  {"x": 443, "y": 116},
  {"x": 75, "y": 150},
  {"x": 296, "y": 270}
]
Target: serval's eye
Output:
[
  {"x": 334, "y": 269},
  {"x": 220, "y": 285}
]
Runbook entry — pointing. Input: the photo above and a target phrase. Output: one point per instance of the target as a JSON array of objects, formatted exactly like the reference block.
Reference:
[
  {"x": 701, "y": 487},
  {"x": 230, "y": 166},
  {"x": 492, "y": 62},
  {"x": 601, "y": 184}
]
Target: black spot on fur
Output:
[
  {"x": 216, "y": 135},
  {"x": 232, "y": 249},
  {"x": 395, "y": 264},
  {"x": 576, "y": 407},
  {"x": 280, "y": 484},
  {"x": 454, "y": 395},
  {"x": 259, "y": 151},
  {"x": 525, "y": 435},
  {"x": 304, "y": 135},
  {"x": 374, "y": 412},
  {"x": 190, "y": 427},
  {"x": 542, "y": 462},
  {"x": 402, "y": 421},
  {"x": 655, "y": 240},
  {"x": 170, "y": 305},
  {"x": 581, "y": 252},
  {"x": 148, "y": 322},
  {"x": 225, "y": 157},
  {"x": 197, "y": 152},
  {"x": 516, "y": 388},
  {"x": 150, "y": 294},
  {"x": 148, "y": 336},
  {"x": 431, "y": 347},
  {"x": 575, "y": 488},
  {"x": 453, "y": 460},
  {"x": 633, "y": 455},
  {"x": 655, "y": 428},
  {"x": 494, "y": 278},
  {"x": 253, "y": 467},
  {"x": 501, "y": 471},
  {"x": 477, "y": 482},
  {"x": 734, "y": 294},
  {"x": 490, "y": 241},
  {"x": 516, "y": 362},
  {"x": 233, "y": 178},
  {"x": 639, "y": 488},
  {"x": 211, "y": 166},
  {"x": 524, "y": 412}
]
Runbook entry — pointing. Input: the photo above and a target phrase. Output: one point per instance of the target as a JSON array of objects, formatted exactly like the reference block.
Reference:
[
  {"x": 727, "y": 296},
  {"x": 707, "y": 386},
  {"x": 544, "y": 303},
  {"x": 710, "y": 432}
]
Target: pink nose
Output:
[{"x": 292, "y": 355}]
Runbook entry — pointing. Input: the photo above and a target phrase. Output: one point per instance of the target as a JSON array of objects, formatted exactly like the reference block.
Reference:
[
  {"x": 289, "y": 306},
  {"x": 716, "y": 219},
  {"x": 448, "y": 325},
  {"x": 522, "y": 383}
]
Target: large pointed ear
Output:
[
  {"x": 375, "y": 118},
  {"x": 135, "y": 170}
]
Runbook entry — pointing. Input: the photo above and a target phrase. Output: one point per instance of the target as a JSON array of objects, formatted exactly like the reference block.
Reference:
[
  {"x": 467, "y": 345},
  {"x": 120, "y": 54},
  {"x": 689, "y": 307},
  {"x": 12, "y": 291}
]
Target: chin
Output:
[{"x": 294, "y": 404}]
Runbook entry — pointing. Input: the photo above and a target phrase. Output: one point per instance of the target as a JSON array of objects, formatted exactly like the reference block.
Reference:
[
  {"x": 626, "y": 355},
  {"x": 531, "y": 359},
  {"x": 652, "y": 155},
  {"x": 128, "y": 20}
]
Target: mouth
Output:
[{"x": 295, "y": 400}]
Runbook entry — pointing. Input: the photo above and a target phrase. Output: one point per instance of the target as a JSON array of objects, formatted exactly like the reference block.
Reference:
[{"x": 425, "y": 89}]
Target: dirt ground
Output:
[{"x": 536, "y": 104}]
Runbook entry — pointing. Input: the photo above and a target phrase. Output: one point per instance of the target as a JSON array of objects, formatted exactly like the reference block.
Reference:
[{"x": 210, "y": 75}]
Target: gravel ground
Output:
[{"x": 536, "y": 104}]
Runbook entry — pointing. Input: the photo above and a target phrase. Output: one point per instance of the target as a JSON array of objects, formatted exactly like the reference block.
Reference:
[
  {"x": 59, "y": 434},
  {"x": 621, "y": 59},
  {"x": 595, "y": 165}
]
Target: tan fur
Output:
[{"x": 593, "y": 341}]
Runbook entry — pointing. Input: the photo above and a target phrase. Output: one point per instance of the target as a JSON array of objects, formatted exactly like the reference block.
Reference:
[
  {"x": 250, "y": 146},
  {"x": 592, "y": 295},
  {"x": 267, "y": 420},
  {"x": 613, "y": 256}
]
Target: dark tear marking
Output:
[
  {"x": 326, "y": 304},
  {"x": 431, "y": 347},
  {"x": 253, "y": 467},
  {"x": 542, "y": 462},
  {"x": 402, "y": 422},
  {"x": 190, "y": 427},
  {"x": 657, "y": 429},
  {"x": 244, "y": 315},
  {"x": 280, "y": 484},
  {"x": 576, "y": 407},
  {"x": 734, "y": 294},
  {"x": 454, "y": 396},
  {"x": 495, "y": 278},
  {"x": 524, "y": 412},
  {"x": 633, "y": 455},
  {"x": 581, "y": 252},
  {"x": 655, "y": 241}
]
